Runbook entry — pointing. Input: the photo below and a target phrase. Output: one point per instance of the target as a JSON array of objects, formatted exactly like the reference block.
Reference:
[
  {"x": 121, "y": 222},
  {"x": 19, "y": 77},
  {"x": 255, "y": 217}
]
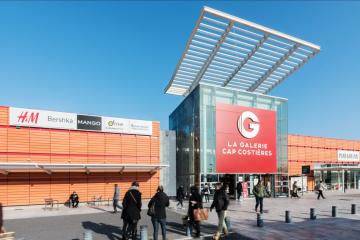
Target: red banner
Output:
[{"x": 245, "y": 139}]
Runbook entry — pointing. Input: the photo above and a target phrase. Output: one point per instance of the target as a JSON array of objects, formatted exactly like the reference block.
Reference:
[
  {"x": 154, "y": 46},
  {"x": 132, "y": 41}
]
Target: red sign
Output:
[{"x": 245, "y": 139}]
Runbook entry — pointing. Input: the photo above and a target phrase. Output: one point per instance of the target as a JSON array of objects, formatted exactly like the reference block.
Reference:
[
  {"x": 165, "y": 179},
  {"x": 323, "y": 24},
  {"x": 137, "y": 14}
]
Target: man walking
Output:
[
  {"x": 259, "y": 192},
  {"x": 220, "y": 203},
  {"x": 320, "y": 188},
  {"x": 180, "y": 196},
  {"x": 116, "y": 198},
  {"x": 239, "y": 190}
]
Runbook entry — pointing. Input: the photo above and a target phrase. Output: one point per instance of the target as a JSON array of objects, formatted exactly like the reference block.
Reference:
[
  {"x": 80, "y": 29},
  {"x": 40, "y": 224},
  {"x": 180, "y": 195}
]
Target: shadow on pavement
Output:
[{"x": 110, "y": 231}]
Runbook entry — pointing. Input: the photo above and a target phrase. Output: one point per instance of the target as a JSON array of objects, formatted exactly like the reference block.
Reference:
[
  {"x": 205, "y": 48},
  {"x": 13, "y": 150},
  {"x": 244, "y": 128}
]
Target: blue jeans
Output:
[{"x": 155, "y": 222}]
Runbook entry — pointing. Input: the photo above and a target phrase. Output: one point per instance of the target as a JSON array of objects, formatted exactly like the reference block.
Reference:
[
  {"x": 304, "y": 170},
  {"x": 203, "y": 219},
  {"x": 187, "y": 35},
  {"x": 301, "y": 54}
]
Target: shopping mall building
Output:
[{"x": 227, "y": 129}]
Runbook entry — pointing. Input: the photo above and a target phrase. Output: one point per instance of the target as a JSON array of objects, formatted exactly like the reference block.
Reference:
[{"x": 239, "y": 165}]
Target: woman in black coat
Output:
[
  {"x": 195, "y": 202},
  {"x": 161, "y": 201},
  {"x": 131, "y": 211}
]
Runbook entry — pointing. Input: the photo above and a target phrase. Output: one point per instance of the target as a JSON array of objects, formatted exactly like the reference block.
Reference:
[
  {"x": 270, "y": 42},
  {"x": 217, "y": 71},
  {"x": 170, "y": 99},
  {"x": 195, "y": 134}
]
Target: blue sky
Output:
[{"x": 115, "y": 58}]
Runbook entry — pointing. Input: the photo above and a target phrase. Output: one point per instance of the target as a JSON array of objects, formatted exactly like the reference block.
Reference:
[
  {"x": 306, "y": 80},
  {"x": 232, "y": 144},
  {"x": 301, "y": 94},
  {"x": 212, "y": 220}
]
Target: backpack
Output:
[{"x": 151, "y": 210}]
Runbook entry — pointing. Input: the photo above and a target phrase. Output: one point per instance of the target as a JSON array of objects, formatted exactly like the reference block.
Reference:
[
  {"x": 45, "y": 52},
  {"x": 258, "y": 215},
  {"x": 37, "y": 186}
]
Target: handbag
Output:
[
  {"x": 151, "y": 210},
  {"x": 201, "y": 214}
]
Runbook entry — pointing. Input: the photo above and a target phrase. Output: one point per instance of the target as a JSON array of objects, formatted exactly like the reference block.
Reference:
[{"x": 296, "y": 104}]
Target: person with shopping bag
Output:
[
  {"x": 195, "y": 203},
  {"x": 220, "y": 203}
]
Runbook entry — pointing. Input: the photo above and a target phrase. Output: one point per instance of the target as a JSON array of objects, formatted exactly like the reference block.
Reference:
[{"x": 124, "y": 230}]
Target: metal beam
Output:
[
  {"x": 259, "y": 27},
  {"x": 122, "y": 170},
  {"x": 45, "y": 170},
  {"x": 186, "y": 48},
  {"x": 154, "y": 170},
  {"x": 4, "y": 172},
  {"x": 290, "y": 72},
  {"x": 246, "y": 59},
  {"x": 211, "y": 57},
  {"x": 273, "y": 68}
]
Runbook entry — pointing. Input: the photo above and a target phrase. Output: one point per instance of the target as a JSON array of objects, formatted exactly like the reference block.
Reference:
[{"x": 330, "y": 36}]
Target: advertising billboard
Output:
[
  {"x": 23, "y": 117},
  {"x": 41, "y": 119},
  {"x": 245, "y": 139},
  {"x": 348, "y": 156}
]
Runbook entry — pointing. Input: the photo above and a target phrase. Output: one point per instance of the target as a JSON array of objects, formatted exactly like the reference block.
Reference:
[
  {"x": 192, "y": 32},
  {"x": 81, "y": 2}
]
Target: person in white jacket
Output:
[{"x": 320, "y": 188}]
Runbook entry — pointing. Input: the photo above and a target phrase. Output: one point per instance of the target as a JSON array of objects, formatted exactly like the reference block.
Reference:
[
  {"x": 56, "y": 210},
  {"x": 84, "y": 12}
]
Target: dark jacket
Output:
[
  {"x": 161, "y": 202},
  {"x": 180, "y": 193},
  {"x": 195, "y": 196},
  {"x": 239, "y": 188},
  {"x": 221, "y": 200},
  {"x": 131, "y": 205}
]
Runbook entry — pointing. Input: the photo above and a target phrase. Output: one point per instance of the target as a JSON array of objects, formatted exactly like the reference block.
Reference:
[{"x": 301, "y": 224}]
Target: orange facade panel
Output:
[
  {"x": 128, "y": 143},
  {"x": 143, "y": 146},
  {"x": 39, "y": 141},
  {"x": 18, "y": 140},
  {"x": 113, "y": 144},
  {"x": 156, "y": 129},
  {"x": 78, "y": 143},
  {"x": 96, "y": 143},
  {"x": 60, "y": 142},
  {"x": 4, "y": 115},
  {"x": 3, "y": 140}
]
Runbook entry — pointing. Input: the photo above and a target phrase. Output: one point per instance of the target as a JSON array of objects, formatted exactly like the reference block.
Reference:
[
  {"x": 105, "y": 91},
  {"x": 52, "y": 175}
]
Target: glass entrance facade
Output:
[{"x": 194, "y": 122}]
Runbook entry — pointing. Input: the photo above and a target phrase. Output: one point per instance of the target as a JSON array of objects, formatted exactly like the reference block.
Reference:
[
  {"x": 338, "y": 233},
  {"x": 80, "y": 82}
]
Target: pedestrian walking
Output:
[
  {"x": 220, "y": 203},
  {"x": 320, "y": 188},
  {"x": 239, "y": 190},
  {"x": 259, "y": 192},
  {"x": 158, "y": 215},
  {"x": 180, "y": 196},
  {"x": 206, "y": 193},
  {"x": 294, "y": 190},
  {"x": 195, "y": 202},
  {"x": 116, "y": 198},
  {"x": 131, "y": 212}
]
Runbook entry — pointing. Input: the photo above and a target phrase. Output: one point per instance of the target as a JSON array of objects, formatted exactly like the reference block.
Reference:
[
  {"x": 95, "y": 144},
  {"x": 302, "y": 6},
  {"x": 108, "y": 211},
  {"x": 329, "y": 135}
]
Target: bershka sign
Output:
[
  {"x": 245, "y": 139},
  {"x": 85, "y": 122},
  {"x": 42, "y": 119},
  {"x": 350, "y": 156}
]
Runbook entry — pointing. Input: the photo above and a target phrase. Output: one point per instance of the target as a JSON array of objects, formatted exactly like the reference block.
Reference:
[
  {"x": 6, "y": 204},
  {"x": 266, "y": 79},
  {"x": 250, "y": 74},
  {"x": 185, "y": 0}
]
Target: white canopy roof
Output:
[
  {"x": 6, "y": 167},
  {"x": 227, "y": 51}
]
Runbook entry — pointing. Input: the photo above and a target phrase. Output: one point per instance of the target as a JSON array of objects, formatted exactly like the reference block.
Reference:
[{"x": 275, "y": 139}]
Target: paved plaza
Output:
[{"x": 34, "y": 223}]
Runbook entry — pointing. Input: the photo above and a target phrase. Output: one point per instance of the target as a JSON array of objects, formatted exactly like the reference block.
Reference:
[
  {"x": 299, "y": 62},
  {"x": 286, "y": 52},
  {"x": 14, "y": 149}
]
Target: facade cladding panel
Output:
[
  {"x": 40, "y": 145},
  {"x": 316, "y": 151}
]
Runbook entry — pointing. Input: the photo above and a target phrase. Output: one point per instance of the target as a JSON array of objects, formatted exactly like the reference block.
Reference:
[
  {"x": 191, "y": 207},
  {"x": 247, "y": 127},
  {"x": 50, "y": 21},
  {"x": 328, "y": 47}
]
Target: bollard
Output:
[
  {"x": 353, "y": 208},
  {"x": 312, "y": 214},
  {"x": 88, "y": 235},
  {"x": 143, "y": 232},
  {"x": 287, "y": 216},
  {"x": 333, "y": 211},
  {"x": 259, "y": 221}
]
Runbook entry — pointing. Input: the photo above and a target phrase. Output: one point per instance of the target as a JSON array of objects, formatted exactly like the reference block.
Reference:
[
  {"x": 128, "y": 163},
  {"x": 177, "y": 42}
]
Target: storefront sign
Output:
[
  {"x": 140, "y": 127},
  {"x": 245, "y": 139},
  {"x": 61, "y": 120},
  {"x": 85, "y": 122},
  {"x": 129, "y": 126},
  {"x": 350, "y": 156},
  {"x": 41, "y": 119}
]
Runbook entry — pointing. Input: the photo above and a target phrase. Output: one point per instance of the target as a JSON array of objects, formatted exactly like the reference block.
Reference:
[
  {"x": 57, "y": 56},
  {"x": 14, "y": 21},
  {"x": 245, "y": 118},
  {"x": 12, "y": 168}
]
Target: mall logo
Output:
[
  {"x": 113, "y": 123},
  {"x": 28, "y": 117},
  {"x": 251, "y": 129}
]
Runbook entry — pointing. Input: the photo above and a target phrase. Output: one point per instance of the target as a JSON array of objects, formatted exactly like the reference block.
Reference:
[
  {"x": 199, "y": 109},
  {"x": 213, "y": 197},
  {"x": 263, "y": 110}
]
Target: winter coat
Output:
[
  {"x": 116, "y": 194},
  {"x": 131, "y": 204},
  {"x": 161, "y": 202},
  {"x": 221, "y": 200},
  {"x": 259, "y": 190},
  {"x": 195, "y": 196},
  {"x": 180, "y": 193},
  {"x": 239, "y": 187}
]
